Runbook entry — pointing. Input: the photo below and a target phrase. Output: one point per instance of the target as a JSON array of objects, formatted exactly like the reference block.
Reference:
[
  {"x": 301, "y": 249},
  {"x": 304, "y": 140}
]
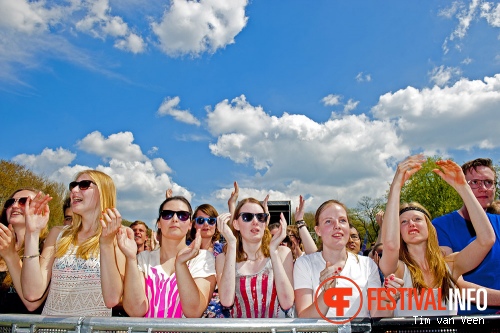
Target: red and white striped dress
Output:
[{"x": 255, "y": 295}]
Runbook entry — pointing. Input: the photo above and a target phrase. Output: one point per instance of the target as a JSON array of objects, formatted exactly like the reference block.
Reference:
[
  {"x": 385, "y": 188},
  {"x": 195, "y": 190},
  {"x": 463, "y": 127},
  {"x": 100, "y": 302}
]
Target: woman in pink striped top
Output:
[
  {"x": 174, "y": 280},
  {"x": 254, "y": 274}
]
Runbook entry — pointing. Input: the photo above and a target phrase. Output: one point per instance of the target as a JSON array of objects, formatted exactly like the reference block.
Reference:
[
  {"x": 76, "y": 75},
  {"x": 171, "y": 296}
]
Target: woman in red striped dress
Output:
[{"x": 254, "y": 274}]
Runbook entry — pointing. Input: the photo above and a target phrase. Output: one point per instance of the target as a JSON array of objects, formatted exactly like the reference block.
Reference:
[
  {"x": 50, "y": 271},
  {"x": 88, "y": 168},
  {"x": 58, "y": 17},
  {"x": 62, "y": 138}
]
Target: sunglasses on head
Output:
[
  {"x": 82, "y": 185},
  {"x": 201, "y": 220},
  {"x": 11, "y": 201},
  {"x": 248, "y": 217},
  {"x": 181, "y": 215}
]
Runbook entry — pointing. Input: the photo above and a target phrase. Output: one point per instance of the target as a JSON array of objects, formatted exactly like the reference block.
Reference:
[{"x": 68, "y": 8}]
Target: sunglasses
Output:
[
  {"x": 82, "y": 185},
  {"x": 11, "y": 201},
  {"x": 201, "y": 220},
  {"x": 181, "y": 215},
  {"x": 248, "y": 217}
]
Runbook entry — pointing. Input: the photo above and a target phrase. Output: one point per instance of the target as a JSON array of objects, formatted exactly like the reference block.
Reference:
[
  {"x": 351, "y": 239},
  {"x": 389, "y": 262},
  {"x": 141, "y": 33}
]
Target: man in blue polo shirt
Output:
[{"x": 455, "y": 232}]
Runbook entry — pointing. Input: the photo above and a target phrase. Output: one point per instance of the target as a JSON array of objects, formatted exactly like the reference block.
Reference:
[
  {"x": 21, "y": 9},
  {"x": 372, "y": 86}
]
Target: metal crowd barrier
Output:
[{"x": 15, "y": 323}]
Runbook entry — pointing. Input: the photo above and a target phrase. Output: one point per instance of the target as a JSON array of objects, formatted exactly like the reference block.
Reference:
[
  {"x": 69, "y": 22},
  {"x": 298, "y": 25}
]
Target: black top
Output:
[{"x": 10, "y": 302}]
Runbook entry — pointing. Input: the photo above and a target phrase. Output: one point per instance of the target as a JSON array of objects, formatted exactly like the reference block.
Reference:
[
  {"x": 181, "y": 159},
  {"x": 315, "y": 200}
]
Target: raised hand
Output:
[
  {"x": 329, "y": 271},
  {"x": 169, "y": 193},
  {"x": 379, "y": 217},
  {"x": 408, "y": 168},
  {"x": 279, "y": 236},
  {"x": 224, "y": 229},
  {"x": 299, "y": 211},
  {"x": 111, "y": 222},
  {"x": 451, "y": 172},
  {"x": 126, "y": 242},
  {"x": 233, "y": 199},
  {"x": 191, "y": 251},
  {"x": 7, "y": 241},
  {"x": 36, "y": 212},
  {"x": 266, "y": 208}
]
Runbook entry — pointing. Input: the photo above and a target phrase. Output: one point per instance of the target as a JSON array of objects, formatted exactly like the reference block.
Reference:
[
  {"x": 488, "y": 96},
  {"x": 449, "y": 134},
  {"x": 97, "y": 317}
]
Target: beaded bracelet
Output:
[{"x": 29, "y": 257}]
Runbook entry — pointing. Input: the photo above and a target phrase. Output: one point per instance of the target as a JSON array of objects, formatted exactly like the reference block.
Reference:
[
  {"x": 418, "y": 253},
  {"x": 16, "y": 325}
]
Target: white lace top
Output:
[{"x": 75, "y": 287}]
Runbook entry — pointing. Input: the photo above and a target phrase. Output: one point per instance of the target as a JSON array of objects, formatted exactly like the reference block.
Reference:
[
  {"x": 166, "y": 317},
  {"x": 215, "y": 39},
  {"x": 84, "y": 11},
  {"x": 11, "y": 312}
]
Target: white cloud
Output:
[
  {"x": 443, "y": 75},
  {"x": 21, "y": 15},
  {"x": 467, "y": 61},
  {"x": 99, "y": 23},
  {"x": 456, "y": 117},
  {"x": 361, "y": 77},
  {"x": 491, "y": 13},
  {"x": 169, "y": 107},
  {"x": 331, "y": 100},
  {"x": 141, "y": 183},
  {"x": 132, "y": 43},
  {"x": 194, "y": 27},
  {"x": 465, "y": 16},
  {"x": 116, "y": 146},
  {"x": 350, "y": 105},
  {"x": 48, "y": 162},
  {"x": 293, "y": 149}
]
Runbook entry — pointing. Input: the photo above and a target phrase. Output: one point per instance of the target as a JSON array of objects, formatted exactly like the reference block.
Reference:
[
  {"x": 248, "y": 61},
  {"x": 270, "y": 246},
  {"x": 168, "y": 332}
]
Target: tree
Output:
[
  {"x": 431, "y": 191},
  {"x": 14, "y": 176},
  {"x": 363, "y": 217}
]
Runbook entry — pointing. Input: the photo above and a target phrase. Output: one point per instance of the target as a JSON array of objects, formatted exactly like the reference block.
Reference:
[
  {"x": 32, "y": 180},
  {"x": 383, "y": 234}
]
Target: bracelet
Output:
[
  {"x": 300, "y": 223},
  {"x": 29, "y": 257}
]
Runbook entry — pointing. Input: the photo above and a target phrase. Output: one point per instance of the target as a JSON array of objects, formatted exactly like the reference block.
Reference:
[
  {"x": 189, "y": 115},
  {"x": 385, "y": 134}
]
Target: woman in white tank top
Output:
[{"x": 411, "y": 249}]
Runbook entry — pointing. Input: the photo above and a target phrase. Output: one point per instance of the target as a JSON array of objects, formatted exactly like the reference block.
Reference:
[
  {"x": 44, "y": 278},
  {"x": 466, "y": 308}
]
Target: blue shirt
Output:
[{"x": 455, "y": 232}]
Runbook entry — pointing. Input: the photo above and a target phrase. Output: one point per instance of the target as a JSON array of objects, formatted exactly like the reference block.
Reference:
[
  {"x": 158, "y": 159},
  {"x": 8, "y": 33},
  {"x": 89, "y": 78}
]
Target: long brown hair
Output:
[
  {"x": 433, "y": 255},
  {"x": 7, "y": 282},
  {"x": 210, "y": 211},
  {"x": 241, "y": 255}
]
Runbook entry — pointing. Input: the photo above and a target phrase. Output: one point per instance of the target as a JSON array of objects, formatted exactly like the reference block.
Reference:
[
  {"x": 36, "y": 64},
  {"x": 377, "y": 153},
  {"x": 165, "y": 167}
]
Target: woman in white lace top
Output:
[{"x": 71, "y": 259}]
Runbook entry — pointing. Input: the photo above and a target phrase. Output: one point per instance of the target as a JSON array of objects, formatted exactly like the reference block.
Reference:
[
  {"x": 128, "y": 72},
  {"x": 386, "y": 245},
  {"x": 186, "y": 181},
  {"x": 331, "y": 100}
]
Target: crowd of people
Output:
[{"x": 199, "y": 263}]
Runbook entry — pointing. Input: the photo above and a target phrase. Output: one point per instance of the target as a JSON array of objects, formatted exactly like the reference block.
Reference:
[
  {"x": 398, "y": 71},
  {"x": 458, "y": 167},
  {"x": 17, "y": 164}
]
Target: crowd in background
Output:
[{"x": 199, "y": 263}]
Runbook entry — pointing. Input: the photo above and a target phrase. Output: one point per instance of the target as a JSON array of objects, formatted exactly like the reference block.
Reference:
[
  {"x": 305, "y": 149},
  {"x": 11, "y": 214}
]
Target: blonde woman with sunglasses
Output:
[
  {"x": 254, "y": 274},
  {"x": 70, "y": 266},
  {"x": 152, "y": 285}
]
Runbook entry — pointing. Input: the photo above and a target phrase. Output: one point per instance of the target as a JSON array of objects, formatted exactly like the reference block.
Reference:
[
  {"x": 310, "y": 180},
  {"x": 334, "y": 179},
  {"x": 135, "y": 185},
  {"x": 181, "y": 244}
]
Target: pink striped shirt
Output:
[
  {"x": 255, "y": 295},
  {"x": 161, "y": 288}
]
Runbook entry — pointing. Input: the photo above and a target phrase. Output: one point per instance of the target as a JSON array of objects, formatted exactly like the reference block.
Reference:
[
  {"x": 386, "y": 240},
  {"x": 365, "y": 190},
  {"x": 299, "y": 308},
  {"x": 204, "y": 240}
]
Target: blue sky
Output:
[{"x": 319, "y": 98}]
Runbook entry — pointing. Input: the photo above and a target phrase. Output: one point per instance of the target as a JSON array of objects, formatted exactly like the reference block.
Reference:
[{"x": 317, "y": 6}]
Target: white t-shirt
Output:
[
  {"x": 161, "y": 289},
  {"x": 362, "y": 270}
]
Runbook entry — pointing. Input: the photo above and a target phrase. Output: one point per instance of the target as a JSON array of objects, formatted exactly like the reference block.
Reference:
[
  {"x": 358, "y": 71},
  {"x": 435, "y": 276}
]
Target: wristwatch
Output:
[{"x": 300, "y": 224}]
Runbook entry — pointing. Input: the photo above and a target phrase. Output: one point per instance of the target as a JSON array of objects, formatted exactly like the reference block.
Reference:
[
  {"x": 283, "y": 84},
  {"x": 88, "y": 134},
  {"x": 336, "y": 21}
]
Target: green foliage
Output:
[
  {"x": 363, "y": 217},
  {"x": 431, "y": 191},
  {"x": 14, "y": 176}
]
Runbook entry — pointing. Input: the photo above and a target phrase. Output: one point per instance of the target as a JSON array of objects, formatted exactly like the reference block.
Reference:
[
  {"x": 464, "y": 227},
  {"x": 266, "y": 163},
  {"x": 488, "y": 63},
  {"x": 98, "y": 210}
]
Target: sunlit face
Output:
[
  {"x": 85, "y": 202},
  {"x": 413, "y": 227},
  {"x": 206, "y": 230},
  {"x": 484, "y": 196},
  {"x": 354, "y": 243},
  {"x": 174, "y": 228},
  {"x": 252, "y": 231},
  {"x": 15, "y": 213},
  {"x": 333, "y": 226},
  {"x": 140, "y": 234}
]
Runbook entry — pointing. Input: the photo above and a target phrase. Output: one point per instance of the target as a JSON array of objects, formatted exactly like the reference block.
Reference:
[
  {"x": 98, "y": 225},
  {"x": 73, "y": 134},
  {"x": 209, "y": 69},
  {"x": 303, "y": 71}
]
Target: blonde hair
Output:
[
  {"x": 107, "y": 199},
  {"x": 433, "y": 256},
  {"x": 241, "y": 255}
]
